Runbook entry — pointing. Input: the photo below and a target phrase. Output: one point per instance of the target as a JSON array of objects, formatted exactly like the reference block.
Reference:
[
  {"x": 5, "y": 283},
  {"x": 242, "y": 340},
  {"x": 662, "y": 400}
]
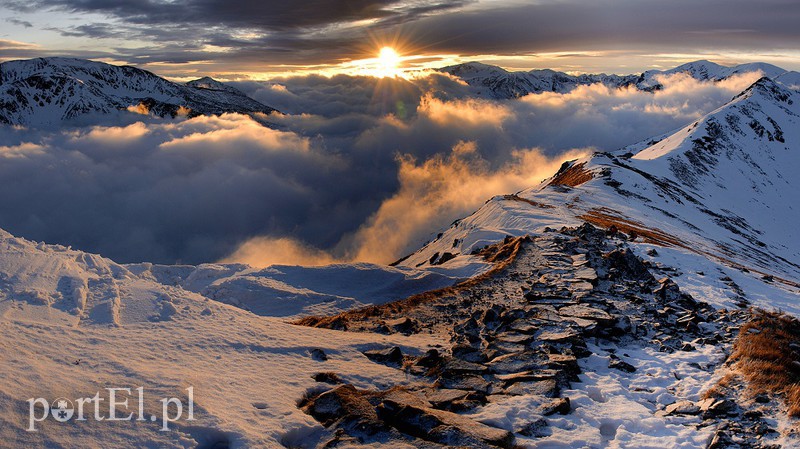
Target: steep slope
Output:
[
  {"x": 495, "y": 82},
  {"x": 722, "y": 187},
  {"x": 49, "y": 91}
]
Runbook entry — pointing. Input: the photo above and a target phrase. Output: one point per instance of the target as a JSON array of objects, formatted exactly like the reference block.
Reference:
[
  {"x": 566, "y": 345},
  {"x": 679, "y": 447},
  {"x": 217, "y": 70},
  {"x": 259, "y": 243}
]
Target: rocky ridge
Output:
[{"x": 526, "y": 330}]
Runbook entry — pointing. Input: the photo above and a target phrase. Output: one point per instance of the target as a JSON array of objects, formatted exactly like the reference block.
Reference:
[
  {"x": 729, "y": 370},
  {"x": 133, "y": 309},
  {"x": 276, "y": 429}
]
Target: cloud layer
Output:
[{"x": 360, "y": 168}]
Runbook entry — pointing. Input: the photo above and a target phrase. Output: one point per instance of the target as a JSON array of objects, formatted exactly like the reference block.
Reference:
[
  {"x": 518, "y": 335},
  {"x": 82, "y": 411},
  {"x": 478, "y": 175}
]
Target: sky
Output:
[{"x": 261, "y": 39}]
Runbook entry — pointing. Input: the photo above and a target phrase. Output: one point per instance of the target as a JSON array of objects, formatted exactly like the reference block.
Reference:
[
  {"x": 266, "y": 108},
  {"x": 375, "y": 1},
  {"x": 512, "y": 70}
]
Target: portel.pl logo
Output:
[{"x": 116, "y": 404}]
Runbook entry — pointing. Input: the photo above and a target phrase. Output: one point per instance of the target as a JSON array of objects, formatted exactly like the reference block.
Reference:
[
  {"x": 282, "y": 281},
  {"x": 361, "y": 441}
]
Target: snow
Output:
[{"x": 247, "y": 371}]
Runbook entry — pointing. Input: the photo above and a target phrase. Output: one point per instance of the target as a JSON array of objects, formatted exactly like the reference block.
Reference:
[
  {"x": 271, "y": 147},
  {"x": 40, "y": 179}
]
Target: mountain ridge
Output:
[
  {"x": 498, "y": 83},
  {"x": 720, "y": 187},
  {"x": 51, "y": 91}
]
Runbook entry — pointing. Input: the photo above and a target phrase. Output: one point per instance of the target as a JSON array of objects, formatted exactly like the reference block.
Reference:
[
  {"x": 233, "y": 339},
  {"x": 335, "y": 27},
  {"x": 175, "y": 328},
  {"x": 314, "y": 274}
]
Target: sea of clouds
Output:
[{"x": 353, "y": 169}]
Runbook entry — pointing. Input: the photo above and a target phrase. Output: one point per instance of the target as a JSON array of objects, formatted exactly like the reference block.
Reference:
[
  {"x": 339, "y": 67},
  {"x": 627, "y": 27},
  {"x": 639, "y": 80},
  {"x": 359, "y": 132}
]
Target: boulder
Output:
[
  {"x": 387, "y": 356},
  {"x": 441, "y": 426}
]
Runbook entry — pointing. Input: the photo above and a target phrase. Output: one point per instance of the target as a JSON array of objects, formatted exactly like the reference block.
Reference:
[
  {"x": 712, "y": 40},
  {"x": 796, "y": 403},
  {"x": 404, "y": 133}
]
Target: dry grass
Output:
[
  {"x": 537, "y": 204},
  {"x": 573, "y": 176},
  {"x": 605, "y": 218},
  {"x": 500, "y": 254},
  {"x": 766, "y": 353}
]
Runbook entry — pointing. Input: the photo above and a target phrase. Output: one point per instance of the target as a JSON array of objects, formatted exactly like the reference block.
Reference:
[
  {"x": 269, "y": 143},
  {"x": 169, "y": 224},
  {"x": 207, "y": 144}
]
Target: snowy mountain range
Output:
[
  {"x": 49, "y": 91},
  {"x": 495, "y": 82},
  {"x": 601, "y": 309}
]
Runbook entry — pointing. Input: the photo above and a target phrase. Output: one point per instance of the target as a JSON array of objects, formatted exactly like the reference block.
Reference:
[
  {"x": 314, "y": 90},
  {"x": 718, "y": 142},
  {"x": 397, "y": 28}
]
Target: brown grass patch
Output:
[
  {"x": 516, "y": 197},
  {"x": 572, "y": 176},
  {"x": 500, "y": 254},
  {"x": 766, "y": 353},
  {"x": 605, "y": 218}
]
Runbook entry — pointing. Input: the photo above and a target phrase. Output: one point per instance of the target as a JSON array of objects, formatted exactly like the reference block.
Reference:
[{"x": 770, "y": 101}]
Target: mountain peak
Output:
[{"x": 769, "y": 89}]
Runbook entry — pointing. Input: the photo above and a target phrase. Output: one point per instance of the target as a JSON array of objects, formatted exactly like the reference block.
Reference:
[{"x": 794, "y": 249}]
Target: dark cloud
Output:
[
  {"x": 18, "y": 22},
  {"x": 317, "y": 31},
  {"x": 613, "y": 25}
]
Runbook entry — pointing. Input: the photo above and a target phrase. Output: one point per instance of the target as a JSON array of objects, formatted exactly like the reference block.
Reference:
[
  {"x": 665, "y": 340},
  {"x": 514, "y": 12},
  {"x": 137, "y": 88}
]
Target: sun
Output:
[{"x": 388, "y": 62}]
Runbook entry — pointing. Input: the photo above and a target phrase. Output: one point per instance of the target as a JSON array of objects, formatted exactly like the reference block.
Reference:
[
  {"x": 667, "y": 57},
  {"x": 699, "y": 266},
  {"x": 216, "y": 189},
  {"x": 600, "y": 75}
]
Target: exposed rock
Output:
[
  {"x": 347, "y": 406},
  {"x": 536, "y": 429},
  {"x": 587, "y": 313},
  {"x": 318, "y": 354},
  {"x": 561, "y": 406},
  {"x": 616, "y": 363},
  {"x": 387, "y": 356},
  {"x": 404, "y": 325},
  {"x": 441, "y": 426},
  {"x": 682, "y": 408}
]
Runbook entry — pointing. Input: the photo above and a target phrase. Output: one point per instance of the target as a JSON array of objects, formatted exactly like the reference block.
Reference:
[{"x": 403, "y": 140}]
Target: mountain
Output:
[
  {"x": 495, "y": 82},
  {"x": 498, "y": 83},
  {"x": 722, "y": 187},
  {"x": 49, "y": 91},
  {"x": 630, "y": 287}
]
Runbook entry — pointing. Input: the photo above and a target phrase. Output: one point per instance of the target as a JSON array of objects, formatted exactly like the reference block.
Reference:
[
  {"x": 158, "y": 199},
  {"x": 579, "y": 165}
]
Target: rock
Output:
[
  {"x": 441, "y": 426},
  {"x": 561, "y": 406},
  {"x": 705, "y": 404},
  {"x": 468, "y": 353},
  {"x": 721, "y": 407},
  {"x": 536, "y": 429},
  {"x": 720, "y": 440},
  {"x": 327, "y": 377},
  {"x": 548, "y": 388},
  {"x": 561, "y": 336},
  {"x": 682, "y": 408},
  {"x": 318, "y": 355},
  {"x": 621, "y": 365},
  {"x": 688, "y": 347},
  {"x": 404, "y": 325},
  {"x": 430, "y": 359},
  {"x": 587, "y": 313},
  {"x": 387, "y": 356},
  {"x": 346, "y": 405},
  {"x": 532, "y": 375},
  {"x": 628, "y": 265},
  {"x": 441, "y": 397},
  {"x": 652, "y": 252},
  {"x": 464, "y": 382},
  {"x": 668, "y": 291},
  {"x": 515, "y": 362},
  {"x": 453, "y": 365}
]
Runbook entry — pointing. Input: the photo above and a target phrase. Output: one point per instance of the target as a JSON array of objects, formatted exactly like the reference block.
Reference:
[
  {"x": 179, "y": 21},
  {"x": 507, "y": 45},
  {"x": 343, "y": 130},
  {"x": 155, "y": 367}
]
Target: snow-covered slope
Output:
[
  {"x": 724, "y": 187},
  {"x": 73, "y": 324},
  {"x": 495, "y": 82},
  {"x": 49, "y": 91}
]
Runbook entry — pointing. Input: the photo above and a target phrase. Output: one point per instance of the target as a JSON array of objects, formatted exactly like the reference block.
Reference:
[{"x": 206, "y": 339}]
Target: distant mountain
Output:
[
  {"x": 49, "y": 91},
  {"x": 723, "y": 187},
  {"x": 495, "y": 82}
]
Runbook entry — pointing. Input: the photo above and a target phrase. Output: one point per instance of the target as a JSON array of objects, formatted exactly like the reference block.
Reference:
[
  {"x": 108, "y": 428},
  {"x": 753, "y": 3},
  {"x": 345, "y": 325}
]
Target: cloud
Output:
[
  {"x": 440, "y": 189},
  {"x": 265, "y": 251},
  {"x": 358, "y": 169},
  {"x": 275, "y": 35}
]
